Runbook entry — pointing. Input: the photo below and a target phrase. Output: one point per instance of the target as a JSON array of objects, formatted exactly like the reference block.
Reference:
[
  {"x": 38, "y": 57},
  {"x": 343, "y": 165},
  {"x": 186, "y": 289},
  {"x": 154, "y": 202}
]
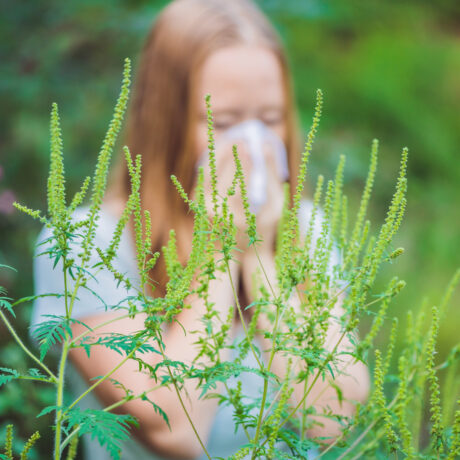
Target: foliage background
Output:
[{"x": 389, "y": 70}]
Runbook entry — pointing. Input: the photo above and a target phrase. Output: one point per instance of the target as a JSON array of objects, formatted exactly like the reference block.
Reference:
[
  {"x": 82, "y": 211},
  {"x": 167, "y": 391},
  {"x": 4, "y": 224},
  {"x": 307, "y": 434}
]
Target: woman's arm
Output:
[
  {"x": 354, "y": 383},
  {"x": 181, "y": 441}
]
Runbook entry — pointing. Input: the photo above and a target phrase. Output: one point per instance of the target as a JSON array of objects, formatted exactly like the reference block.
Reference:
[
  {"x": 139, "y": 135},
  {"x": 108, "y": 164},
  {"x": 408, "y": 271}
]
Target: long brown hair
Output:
[{"x": 160, "y": 116}]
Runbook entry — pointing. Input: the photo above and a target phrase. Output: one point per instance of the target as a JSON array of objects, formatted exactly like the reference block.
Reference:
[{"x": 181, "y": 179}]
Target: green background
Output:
[{"x": 389, "y": 70}]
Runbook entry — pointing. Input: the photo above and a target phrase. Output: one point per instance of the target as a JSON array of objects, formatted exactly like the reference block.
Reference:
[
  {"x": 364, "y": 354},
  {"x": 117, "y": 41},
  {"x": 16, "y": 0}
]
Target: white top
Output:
[{"x": 223, "y": 442}]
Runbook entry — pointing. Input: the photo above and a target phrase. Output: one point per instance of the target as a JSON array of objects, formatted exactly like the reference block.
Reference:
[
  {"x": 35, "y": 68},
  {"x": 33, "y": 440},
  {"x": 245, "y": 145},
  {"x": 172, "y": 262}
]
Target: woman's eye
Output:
[
  {"x": 225, "y": 119},
  {"x": 222, "y": 125},
  {"x": 272, "y": 119}
]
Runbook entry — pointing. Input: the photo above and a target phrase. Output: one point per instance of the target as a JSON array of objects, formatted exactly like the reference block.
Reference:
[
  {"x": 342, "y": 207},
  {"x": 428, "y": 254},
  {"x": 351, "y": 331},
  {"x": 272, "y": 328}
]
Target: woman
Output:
[{"x": 229, "y": 50}]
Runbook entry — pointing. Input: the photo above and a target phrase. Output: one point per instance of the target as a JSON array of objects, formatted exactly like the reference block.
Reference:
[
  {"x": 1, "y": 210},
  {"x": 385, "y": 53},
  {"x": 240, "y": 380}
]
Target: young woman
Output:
[{"x": 229, "y": 50}]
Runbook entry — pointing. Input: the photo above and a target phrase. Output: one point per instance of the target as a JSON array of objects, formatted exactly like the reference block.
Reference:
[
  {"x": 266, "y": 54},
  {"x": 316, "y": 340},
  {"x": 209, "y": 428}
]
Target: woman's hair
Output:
[{"x": 160, "y": 124}]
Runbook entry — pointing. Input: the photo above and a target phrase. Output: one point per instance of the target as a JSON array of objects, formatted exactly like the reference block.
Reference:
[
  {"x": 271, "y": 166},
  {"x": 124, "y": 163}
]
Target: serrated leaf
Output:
[
  {"x": 121, "y": 343},
  {"x": 157, "y": 409},
  {"x": 338, "y": 391},
  {"x": 33, "y": 297},
  {"x": 56, "y": 259},
  {"x": 257, "y": 302},
  {"x": 7, "y": 305},
  {"x": 221, "y": 372},
  {"x": 109, "y": 429},
  {"x": 35, "y": 373},
  {"x": 47, "y": 410},
  {"x": 8, "y": 375},
  {"x": 49, "y": 333}
]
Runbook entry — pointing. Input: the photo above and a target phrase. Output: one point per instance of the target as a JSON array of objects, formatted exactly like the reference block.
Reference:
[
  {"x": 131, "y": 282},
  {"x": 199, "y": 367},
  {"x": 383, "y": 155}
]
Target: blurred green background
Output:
[{"x": 388, "y": 69}]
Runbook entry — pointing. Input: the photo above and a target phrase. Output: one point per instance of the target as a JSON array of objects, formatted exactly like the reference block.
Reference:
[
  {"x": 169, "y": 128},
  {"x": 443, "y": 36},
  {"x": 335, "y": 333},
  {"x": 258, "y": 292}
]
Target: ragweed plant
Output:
[
  {"x": 313, "y": 307},
  {"x": 8, "y": 452}
]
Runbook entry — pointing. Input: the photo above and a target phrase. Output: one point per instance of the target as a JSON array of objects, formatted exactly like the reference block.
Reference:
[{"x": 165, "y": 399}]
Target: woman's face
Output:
[{"x": 245, "y": 82}]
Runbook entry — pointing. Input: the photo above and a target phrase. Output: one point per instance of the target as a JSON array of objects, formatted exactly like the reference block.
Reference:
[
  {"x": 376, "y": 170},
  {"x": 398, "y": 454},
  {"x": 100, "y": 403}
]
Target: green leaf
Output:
[
  {"x": 121, "y": 343},
  {"x": 7, "y": 305},
  {"x": 109, "y": 429},
  {"x": 47, "y": 410},
  {"x": 56, "y": 259},
  {"x": 330, "y": 370},
  {"x": 33, "y": 297},
  {"x": 209, "y": 377},
  {"x": 338, "y": 391},
  {"x": 49, "y": 333},
  {"x": 8, "y": 375},
  {"x": 257, "y": 302},
  {"x": 36, "y": 373},
  {"x": 157, "y": 409}
]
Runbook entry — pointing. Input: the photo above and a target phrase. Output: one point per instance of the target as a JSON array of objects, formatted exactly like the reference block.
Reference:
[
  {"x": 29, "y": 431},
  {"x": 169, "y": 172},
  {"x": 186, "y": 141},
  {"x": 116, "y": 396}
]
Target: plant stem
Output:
[
  {"x": 359, "y": 438},
  {"x": 314, "y": 380},
  {"x": 304, "y": 415},
  {"x": 325, "y": 306},
  {"x": 240, "y": 313},
  {"x": 68, "y": 439},
  {"x": 374, "y": 441},
  {"x": 272, "y": 355},
  {"x": 180, "y": 398},
  {"x": 107, "y": 375},
  {"x": 59, "y": 401},
  {"x": 65, "y": 289},
  {"x": 226, "y": 386},
  {"x": 264, "y": 272},
  {"x": 265, "y": 390},
  {"x": 274, "y": 399},
  {"x": 62, "y": 363},
  {"x": 107, "y": 409},
  {"x": 37, "y": 379},
  {"x": 25, "y": 349},
  {"x": 296, "y": 408},
  {"x": 95, "y": 328}
]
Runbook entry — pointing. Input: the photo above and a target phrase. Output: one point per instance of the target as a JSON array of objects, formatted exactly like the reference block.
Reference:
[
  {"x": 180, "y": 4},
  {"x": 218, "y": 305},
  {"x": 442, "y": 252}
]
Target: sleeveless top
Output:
[{"x": 223, "y": 441}]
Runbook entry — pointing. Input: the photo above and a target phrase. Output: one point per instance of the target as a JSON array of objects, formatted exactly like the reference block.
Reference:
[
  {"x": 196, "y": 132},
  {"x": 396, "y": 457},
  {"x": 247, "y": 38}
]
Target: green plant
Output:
[
  {"x": 8, "y": 455},
  {"x": 303, "y": 305}
]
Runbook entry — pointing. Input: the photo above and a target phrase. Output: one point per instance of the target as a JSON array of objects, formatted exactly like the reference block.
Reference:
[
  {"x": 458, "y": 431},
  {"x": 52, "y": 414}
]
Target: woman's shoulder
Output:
[
  {"x": 101, "y": 290},
  {"x": 105, "y": 226}
]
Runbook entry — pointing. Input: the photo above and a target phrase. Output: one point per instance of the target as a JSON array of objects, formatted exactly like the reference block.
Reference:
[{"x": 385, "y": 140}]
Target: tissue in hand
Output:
[{"x": 256, "y": 135}]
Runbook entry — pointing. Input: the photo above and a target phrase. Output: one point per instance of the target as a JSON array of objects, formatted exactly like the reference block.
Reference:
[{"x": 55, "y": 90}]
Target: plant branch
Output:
[
  {"x": 25, "y": 349},
  {"x": 180, "y": 398},
  {"x": 240, "y": 313},
  {"x": 108, "y": 374}
]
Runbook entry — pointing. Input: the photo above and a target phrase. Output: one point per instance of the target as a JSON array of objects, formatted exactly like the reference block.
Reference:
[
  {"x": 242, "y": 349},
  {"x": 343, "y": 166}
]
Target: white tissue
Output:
[{"x": 255, "y": 134}]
